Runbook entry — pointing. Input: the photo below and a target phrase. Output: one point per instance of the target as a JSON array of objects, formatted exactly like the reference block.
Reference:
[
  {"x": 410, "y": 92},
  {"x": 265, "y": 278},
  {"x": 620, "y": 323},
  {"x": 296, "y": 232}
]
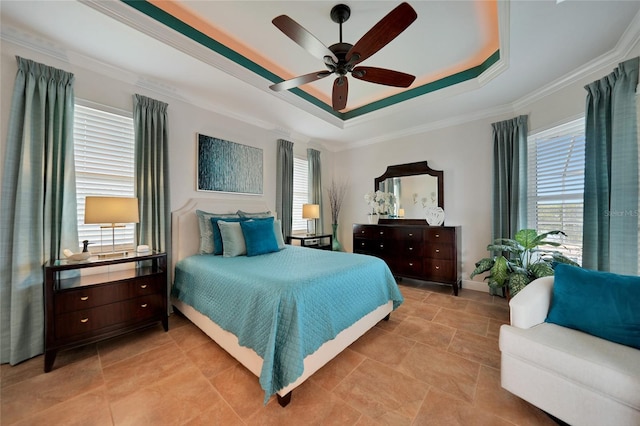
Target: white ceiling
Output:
[{"x": 542, "y": 44}]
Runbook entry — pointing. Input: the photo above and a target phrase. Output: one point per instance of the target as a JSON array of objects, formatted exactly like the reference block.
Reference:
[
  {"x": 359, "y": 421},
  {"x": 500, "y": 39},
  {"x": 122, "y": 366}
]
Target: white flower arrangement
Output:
[{"x": 380, "y": 202}]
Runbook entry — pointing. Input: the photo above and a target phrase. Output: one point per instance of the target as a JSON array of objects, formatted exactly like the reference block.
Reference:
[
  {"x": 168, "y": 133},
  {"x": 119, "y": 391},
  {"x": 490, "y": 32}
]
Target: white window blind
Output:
[
  {"x": 300, "y": 193},
  {"x": 104, "y": 157},
  {"x": 556, "y": 184}
]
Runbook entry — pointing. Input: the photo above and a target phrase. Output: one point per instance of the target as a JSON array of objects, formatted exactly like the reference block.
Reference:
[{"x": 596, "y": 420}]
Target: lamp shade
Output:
[
  {"x": 111, "y": 210},
  {"x": 310, "y": 211}
]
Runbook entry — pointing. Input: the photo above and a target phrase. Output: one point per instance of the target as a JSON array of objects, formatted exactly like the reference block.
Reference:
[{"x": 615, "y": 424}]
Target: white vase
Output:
[
  {"x": 384, "y": 216},
  {"x": 373, "y": 218},
  {"x": 435, "y": 216}
]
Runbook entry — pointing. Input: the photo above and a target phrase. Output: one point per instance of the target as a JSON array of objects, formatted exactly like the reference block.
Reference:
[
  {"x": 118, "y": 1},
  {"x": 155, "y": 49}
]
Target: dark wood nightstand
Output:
[
  {"x": 313, "y": 241},
  {"x": 118, "y": 296}
]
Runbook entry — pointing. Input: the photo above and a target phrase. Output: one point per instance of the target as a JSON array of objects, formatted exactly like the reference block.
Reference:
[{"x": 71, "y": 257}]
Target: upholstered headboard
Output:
[{"x": 185, "y": 234}]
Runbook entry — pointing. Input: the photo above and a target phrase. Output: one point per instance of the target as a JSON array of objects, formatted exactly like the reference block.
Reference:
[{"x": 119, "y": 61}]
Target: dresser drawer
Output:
[
  {"x": 410, "y": 249},
  {"x": 366, "y": 231},
  {"x": 89, "y": 297},
  {"x": 408, "y": 267},
  {"x": 440, "y": 235},
  {"x": 440, "y": 270},
  {"x": 407, "y": 233},
  {"x": 90, "y": 320},
  {"x": 441, "y": 251}
]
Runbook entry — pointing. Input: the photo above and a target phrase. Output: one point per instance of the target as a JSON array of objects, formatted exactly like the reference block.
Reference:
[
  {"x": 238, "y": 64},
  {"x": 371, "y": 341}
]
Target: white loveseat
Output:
[{"x": 576, "y": 377}]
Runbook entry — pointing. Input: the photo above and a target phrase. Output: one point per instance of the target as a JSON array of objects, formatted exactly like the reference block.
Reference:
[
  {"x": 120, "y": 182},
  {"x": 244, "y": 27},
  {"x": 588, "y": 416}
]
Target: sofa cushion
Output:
[
  {"x": 600, "y": 303},
  {"x": 603, "y": 366}
]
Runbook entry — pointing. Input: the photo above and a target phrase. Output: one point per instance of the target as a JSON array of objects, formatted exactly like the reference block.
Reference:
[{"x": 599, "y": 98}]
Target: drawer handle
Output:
[
  {"x": 83, "y": 298},
  {"x": 437, "y": 235},
  {"x": 143, "y": 286},
  {"x": 437, "y": 267},
  {"x": 410, "y": 248},
  {"x": 381, "y": 245},
  {"x": 410, "y": 264},
  {"x": 362, "y": 244},
  {"x": 437, "y": 250},
  {"x": 411, "y": 235},
  {"x": 362, "y": 232},
  {"x": 83, "y": 320},
  {"x": 144, "y": 305},
  {"x": 381, "y": 232}
]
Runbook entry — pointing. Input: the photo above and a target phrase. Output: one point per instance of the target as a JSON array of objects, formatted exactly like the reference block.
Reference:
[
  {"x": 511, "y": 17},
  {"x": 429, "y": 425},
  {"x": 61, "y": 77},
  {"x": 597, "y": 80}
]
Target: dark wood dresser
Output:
[
  {"x": 83, "y": 307},
  {"x": 413, "y": 249}
]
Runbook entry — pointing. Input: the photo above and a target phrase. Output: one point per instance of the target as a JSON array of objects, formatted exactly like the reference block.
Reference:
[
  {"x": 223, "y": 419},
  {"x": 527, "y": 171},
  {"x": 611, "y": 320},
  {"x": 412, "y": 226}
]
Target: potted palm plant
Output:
[{"x": 521, "y": 260}]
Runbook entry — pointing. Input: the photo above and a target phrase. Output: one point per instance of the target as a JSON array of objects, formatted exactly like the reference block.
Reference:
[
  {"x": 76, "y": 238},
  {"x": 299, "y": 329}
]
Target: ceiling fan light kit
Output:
[{"x": 341, "y": 58}]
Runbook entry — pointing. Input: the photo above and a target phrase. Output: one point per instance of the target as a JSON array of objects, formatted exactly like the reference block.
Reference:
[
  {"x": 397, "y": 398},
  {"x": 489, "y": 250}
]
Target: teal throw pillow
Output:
[
  {"x": 217, "y": 238},
  {"x": 602, "y": 304},
  {"x": 259, "y": 236}
]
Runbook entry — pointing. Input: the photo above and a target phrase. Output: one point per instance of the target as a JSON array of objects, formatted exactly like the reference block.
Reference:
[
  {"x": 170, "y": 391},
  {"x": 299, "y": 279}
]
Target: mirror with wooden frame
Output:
[{"x": 416, "y": 187}]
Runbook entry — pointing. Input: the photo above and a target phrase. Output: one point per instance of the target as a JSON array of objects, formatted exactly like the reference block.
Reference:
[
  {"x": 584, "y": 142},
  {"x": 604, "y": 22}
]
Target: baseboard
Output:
[{"x": 475, "y": 285}]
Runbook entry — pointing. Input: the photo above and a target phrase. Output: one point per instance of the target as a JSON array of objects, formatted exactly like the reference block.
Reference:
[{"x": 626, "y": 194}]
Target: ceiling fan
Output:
[{"x": 342, "y": 58}]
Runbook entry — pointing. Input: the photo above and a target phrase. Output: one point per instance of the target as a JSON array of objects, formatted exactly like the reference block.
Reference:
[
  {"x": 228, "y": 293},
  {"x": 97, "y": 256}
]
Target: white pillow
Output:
[{"x": 232, "y": 239}]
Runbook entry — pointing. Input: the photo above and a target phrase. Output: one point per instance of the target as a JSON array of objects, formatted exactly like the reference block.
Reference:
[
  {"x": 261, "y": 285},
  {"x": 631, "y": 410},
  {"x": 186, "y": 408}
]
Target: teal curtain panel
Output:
[
  {"x": 284, "y": 185},
  {"x": 150, "y": 122},
  {"x": 39, "y": 208},
  {"x": 610, "y": 236},
  {"x": 315, "y": 185},
  {"x": 509, "y": 176}
]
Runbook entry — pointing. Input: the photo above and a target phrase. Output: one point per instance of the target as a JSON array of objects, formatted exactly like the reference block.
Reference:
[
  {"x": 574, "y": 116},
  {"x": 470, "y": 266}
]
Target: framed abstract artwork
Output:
[{"x": 225, "y": 166}]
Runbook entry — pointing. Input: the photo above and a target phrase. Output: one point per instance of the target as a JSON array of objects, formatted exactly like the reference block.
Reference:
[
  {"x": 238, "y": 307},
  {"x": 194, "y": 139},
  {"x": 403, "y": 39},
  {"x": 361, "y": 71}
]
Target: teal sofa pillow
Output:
[
  {"x": 259, "y": 236},
  {"x": 602, "y": 304}
]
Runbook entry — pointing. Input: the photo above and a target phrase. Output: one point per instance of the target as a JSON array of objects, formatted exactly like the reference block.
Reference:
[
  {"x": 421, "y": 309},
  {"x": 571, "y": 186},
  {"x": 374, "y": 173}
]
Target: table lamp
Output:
[
  {"x": 311, "y": 212},
  {"x": 112, "y": 212}
]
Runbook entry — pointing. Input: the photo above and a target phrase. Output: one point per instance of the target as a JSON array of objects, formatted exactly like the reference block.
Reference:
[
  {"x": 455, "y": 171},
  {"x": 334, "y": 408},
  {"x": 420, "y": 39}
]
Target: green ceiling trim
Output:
[{"x": 172, "y": 22}]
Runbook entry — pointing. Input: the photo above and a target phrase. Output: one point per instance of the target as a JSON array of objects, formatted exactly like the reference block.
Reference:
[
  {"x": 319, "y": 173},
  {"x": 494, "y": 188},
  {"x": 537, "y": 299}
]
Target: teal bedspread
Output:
[{"x": 285, "y": 305}]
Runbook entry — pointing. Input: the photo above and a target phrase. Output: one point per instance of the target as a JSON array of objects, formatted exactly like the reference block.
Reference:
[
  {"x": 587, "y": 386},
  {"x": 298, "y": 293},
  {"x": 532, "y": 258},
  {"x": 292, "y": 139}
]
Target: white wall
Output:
[
  {"x": 465, "y": 154},
  {"x": 185, "y": 121}
]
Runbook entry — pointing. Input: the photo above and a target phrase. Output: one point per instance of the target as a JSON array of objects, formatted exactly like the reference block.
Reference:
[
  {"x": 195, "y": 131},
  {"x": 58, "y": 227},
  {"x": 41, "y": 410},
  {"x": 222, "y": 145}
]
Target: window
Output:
[
  {"x": 104, "y": 161},
  {"x": 556, "y": 184},
  {"x": 300, "y": 193}
]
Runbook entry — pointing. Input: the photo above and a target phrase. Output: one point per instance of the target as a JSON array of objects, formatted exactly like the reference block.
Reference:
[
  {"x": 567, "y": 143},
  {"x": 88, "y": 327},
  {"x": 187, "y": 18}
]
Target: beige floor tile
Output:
[
  {"x": 241, "y": 389},
  {"x": 46, "y": 390},
  {"x": 447, "y": 301},
  {"x": 480, "y": 349},
  {"x": 491, "y": 397},
  {"x": 171, "y": 400},
  {"x": 387, "y": 348},
  {"x": 416, "y": 308},
  {"x": 443, "y": 370},
  {"x": 329, "y": 376},
  {"x": 426, "y": 332},
  {"x": 129, "y": 375},
  {"x": 494, "y": 328},
  {"x": 188, "y": 337},
  {"x": 382, "y": 393},
  {"x": 440, "y": 408},
  {"x": 211, "y": 359},
  {"x": 123, "y": 347},
  {"x": 463, "y": 321},
  {"x": 90, "y": 408},
  {"x": 413, "y": 293},
  {"x": 12, "y": 374},
  {"x": 497, "y": 312},
  {"x": 477, "y": 296},
  {"x": 310, "y": 405}
]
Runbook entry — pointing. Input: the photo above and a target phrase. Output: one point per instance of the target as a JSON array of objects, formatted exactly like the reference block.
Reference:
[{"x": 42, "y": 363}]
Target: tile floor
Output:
[{"x": 436, "y": 362}]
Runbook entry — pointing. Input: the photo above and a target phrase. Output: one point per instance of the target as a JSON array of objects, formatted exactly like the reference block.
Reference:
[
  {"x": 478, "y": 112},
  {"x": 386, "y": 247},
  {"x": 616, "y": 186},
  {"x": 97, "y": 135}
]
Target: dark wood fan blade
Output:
[
  {"x": 299, "y": 81},
  {"x": 304, "y": 38},
  {"x": 383, "y": 76},
  {"x": 340, "y": 92},
  {"x": 382, "y": 33}
]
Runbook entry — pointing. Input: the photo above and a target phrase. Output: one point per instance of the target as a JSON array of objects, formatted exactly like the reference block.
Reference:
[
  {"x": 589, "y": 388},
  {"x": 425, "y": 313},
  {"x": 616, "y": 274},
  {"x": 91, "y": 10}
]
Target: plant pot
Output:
[{"x": 373, "y": 218}]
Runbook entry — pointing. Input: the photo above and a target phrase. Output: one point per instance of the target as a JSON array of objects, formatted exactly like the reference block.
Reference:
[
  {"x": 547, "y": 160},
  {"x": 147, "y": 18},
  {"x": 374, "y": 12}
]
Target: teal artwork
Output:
[{"x": 226, "y": 166}]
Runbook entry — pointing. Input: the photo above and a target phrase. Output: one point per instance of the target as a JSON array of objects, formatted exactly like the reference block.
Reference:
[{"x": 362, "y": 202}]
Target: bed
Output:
[{"x": 282, "y": 314}]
